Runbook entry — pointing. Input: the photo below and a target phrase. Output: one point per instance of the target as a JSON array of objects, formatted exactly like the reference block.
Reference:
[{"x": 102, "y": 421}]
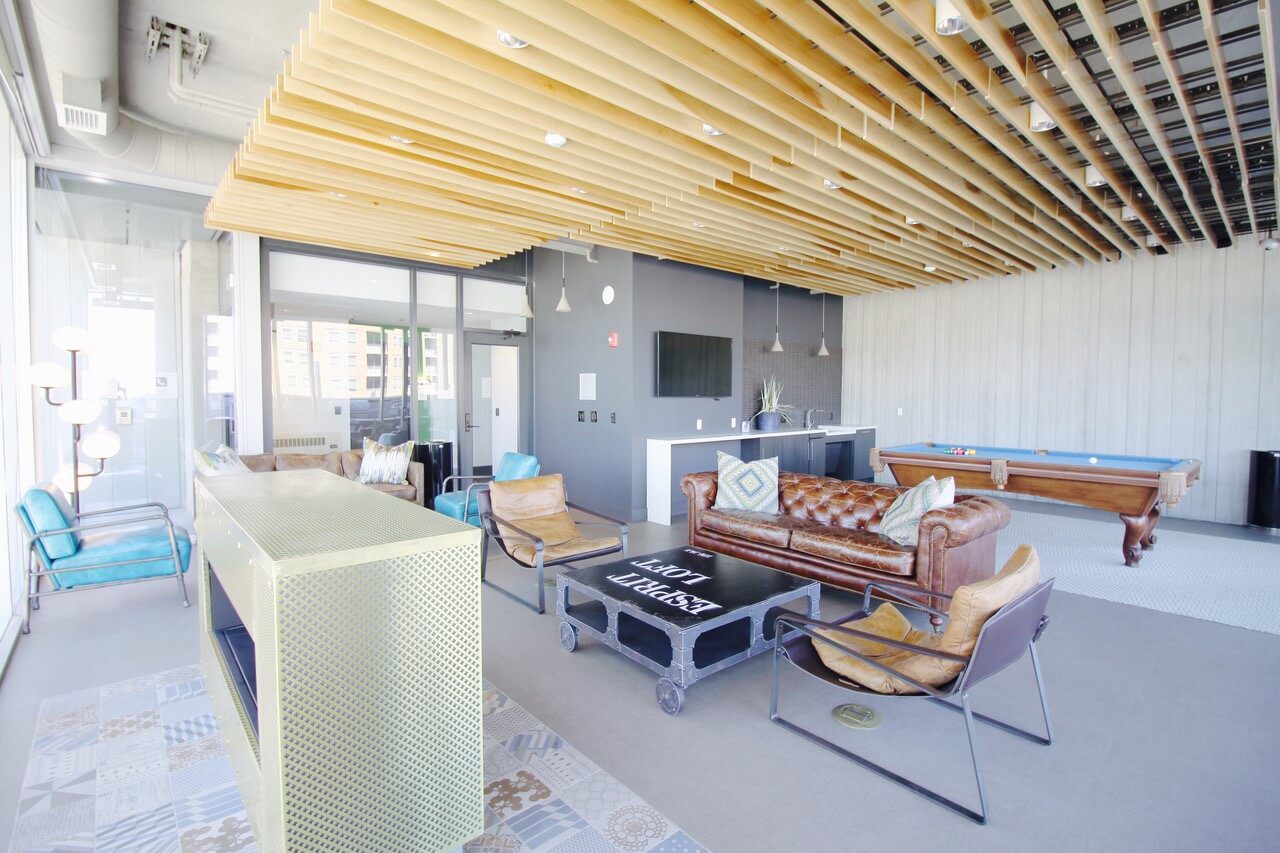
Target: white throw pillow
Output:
[
  {"x": 384, "y": 463},
  {"x": 746, "y": 485},
  {"x": 901, "y": 521},
  {"x": 221, "y": 460}
]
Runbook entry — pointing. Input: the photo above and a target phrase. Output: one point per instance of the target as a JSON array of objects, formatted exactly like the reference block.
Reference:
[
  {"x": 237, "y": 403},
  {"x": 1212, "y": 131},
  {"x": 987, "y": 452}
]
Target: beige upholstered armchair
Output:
[{"x": 530, "y": 521}]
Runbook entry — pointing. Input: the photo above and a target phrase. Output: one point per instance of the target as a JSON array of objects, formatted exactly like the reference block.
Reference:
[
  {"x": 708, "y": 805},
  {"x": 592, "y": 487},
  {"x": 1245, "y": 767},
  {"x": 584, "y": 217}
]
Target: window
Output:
[
  {"x": 351, "y": 361},
  {"x": 286, "y": 334},
  {"x": 333, "y": 359},
  {"x": 351, "y": 337},
  {"x": 373, "y": 338},
  {"x": 373, "y": 359},
  {"x": 351, "y": 384},
  {"x": 373, "y": 383}
]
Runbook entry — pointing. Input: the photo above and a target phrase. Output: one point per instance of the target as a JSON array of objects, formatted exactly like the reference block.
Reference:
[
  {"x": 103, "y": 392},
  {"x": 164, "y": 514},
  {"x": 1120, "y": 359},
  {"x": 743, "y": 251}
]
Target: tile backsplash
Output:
[{"x": 808, "y": 382}]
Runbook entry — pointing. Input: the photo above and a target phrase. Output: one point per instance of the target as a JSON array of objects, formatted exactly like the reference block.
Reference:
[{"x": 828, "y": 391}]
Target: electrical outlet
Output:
[
  {"x": 733, "y": 423},
  {"x": 594, "y": 417},
  {"x": 699, "y": 426},
  {"x": 582, "y": 416},
  {"x": 124, "y": 415}
]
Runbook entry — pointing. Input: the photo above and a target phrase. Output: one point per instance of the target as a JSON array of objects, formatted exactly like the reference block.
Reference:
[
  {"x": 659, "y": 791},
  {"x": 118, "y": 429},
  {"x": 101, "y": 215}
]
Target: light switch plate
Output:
[
  {"x": 899, "y": 411},
  {"x": 733, "y": 423},
  {"x": 699, "y": 423}
]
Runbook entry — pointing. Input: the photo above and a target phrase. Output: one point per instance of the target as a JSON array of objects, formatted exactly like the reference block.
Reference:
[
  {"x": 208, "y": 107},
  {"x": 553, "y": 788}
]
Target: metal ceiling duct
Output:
[{"x": 79, "y": 40}]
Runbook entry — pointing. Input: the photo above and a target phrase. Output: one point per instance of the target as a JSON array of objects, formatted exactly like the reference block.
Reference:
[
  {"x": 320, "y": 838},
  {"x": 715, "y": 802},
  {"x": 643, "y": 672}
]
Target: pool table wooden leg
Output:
[
  {"x": 1135, "y": 530},
  {"x": 1149, "y": 539}
]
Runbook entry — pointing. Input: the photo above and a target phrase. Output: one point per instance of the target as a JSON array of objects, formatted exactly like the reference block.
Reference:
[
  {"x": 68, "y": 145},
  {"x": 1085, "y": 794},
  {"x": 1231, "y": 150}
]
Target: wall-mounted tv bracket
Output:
[{"x": 161, "y": 34}]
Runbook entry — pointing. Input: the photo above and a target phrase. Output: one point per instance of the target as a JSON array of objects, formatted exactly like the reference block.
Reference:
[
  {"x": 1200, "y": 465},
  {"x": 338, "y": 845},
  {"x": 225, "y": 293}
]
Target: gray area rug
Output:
[
  {"x": 140, "y": 765},
  {"x": 1231, "y": 581}
]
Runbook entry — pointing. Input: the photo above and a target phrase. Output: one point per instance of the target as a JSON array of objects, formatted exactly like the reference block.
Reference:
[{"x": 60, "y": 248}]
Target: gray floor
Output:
[{"x": 1167, "y": 738}]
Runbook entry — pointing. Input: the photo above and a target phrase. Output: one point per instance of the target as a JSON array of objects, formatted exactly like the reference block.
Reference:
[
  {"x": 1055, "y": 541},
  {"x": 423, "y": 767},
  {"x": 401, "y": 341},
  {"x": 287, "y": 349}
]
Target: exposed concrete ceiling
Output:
[{"x": 249, "y": 40}]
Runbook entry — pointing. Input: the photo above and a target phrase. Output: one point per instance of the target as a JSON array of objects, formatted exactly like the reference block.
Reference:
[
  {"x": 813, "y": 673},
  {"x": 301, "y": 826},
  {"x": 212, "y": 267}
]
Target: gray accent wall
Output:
[
  {"x": 595, "y": 458},
  {"x": 808, "y": 381},
  {"x": 604, "y": 463},
  {"x": 675, "y": 297}
]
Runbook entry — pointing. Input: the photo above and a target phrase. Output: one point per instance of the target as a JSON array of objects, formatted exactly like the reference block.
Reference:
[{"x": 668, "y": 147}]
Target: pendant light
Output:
[
  {"x": 823, "y": 352},
  {"x": 563, "y": 306},
  {"x": 947, "y": 20},
  {"x": 527, "y": 311},
  {"x": 777, "y": 316}
]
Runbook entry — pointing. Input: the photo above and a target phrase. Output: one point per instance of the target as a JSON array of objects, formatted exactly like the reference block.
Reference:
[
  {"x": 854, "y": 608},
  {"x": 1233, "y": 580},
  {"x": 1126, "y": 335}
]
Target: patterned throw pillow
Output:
[
  {"x": 901, "y": 521},
  {"x": 385, "y": 464},
  {"x": 746, "y": 485},
  {"x": 222, "y": 460}
]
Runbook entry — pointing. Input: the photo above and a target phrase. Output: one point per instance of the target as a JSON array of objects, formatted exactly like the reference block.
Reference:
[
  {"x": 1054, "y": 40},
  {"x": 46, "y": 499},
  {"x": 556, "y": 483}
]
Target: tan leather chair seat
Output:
[
  {"x": 578, "y": 546},
  {"x": 856, "y": 547}
]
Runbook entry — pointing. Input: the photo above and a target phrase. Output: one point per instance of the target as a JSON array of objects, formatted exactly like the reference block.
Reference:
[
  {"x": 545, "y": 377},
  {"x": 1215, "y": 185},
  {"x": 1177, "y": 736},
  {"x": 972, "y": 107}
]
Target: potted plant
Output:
[{"x": 772, "y": 410}]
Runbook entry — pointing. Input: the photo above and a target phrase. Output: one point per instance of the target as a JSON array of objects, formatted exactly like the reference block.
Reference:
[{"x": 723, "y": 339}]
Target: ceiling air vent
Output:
[
  {"x": 81, "y": 105},
  {"x": 82, "y": 118}
]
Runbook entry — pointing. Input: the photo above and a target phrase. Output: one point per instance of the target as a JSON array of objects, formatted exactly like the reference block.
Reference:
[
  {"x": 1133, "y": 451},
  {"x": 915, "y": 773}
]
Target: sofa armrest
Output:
[
  {"x": 417, "y": 477},
  {"x": 967, "y": 520},
  {"x": 700, "y": 489}
]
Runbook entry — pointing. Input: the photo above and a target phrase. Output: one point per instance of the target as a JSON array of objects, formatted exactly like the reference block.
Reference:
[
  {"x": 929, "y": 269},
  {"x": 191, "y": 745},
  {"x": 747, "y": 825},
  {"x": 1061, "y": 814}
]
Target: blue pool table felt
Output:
[{"x": 1138, "y": 463}]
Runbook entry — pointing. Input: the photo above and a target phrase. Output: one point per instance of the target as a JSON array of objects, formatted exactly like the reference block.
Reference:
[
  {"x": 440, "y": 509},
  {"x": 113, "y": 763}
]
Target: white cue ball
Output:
[{"x": 1093, "y": 460}]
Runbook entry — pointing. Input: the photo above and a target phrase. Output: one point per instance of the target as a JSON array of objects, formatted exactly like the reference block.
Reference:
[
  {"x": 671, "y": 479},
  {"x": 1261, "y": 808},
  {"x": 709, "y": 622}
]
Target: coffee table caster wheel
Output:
[
  {"x": 670, "y": 696},
  {"x": 568, "y": 636}
]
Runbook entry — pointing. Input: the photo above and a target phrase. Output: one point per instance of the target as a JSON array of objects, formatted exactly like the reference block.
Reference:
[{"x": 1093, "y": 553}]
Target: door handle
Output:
[{"x": 466, "y": 422}]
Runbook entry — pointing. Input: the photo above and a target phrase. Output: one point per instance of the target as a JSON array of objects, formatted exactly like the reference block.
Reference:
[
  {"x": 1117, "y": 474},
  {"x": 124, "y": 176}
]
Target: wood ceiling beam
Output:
[
  {"x": 909, "y": 117},
  {"x": 964, "y": 60},
  {"x": 579, "y": 29},
  {"x": 1095, "y": 15},
  {"x": 1055, "y": 42},
  {"x": 1267, "y": 26},
  {"x": 1164, "y": 52},
  {"x": 1213, "y": 40}
]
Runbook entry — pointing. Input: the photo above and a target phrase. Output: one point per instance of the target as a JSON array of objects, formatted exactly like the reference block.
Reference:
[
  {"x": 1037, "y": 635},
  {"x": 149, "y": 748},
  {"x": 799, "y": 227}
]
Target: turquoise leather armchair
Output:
[
  {"x": 463, "y": 504},
  {"x": 93, "y": 549}
]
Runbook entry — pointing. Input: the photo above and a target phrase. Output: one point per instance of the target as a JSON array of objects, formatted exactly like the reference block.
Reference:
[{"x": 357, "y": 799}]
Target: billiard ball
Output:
[
  {"x": 1093, "y": 460},
  {"x": 972, "y": 452}
]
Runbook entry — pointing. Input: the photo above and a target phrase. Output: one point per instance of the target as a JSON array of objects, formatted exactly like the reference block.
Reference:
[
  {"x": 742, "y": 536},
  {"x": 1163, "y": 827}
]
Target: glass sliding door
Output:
[
  {"x": 340, "y": 353},
  {"x": 437, "y": 320}
]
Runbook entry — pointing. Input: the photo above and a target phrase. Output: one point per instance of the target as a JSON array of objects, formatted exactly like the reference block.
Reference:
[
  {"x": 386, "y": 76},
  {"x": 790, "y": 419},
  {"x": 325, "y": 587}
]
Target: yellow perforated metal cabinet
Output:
[{"x": 341, "y": 647}]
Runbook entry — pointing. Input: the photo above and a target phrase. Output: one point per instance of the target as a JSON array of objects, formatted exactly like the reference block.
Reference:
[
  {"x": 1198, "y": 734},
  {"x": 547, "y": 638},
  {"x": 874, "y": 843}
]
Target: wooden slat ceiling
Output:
[{"x": 840, "y": 145}]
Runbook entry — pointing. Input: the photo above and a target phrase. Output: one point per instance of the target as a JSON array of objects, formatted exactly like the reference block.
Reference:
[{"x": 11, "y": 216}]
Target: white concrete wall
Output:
[{"x": 1170, "y": 356}]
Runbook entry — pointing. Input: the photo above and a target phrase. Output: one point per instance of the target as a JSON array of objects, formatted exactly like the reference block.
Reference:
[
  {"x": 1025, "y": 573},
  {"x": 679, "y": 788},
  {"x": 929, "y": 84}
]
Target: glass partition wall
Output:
[
  {"x": 367, "y": 347},
  {"x": 137, "y": 269}
]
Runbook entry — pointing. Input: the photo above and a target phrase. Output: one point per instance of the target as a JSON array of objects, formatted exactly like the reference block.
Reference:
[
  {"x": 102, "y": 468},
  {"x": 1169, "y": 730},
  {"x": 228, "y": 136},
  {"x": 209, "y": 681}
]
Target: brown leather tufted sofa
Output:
[{"x": 827, "y": 530}]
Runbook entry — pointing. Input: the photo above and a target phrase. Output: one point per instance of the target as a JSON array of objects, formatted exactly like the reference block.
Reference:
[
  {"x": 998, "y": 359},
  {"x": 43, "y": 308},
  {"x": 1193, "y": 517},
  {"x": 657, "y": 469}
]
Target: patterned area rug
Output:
[
  {"x": 140, "y": 766},
  {"x": 1231, "y": 581}
]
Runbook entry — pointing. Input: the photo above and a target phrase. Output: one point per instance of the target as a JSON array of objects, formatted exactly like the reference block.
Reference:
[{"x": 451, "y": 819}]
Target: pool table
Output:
[{"x": 1133, "y": 486}]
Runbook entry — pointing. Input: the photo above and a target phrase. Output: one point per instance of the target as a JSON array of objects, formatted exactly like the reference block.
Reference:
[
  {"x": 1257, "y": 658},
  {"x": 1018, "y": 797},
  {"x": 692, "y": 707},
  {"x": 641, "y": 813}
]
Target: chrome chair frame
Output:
[
  {"x": 486, "y": 478},
  {"x": 154, "y": 512},
  {"x": 1005, "y": 636},
  {"x": 489, "y": 525}
]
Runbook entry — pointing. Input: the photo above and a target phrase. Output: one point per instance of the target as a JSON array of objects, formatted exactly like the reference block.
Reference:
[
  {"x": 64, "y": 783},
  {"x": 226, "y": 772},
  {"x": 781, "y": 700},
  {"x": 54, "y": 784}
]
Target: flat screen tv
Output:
[{"x": 694, "y": 365}]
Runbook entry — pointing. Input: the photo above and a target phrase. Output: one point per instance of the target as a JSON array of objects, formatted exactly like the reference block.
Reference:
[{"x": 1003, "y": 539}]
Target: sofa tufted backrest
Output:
[{"x": 839, "y": 503}]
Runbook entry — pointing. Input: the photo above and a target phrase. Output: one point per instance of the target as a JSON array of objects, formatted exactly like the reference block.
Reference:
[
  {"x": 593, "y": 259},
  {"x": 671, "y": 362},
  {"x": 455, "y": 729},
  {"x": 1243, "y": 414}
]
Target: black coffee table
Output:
[{"x": 683, "y": 613}]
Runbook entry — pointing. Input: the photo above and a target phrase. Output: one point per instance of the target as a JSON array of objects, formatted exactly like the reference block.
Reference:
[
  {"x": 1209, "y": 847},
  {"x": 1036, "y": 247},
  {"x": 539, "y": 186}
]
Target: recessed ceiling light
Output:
[
  {"x": 513, "y": 42},
  {"x": 911, "y": 220},
  {"x": 929, "y": 268},
  {"x": 338, "y": 194},
  {"x": 99, "y": 265},
  {"x": 578, "y": 190},
  {"x": 434, "y": 254},
  {"x": 1008, "y": 263},
  {"x": 829, "y": 184},
  {"x": 966, "y": 244},
  {"x": 401, "y": 140},
  {"x": 555, "y": 140},
  {"x": 697, "y": 225},
  {"x": 710, "y": 130}
]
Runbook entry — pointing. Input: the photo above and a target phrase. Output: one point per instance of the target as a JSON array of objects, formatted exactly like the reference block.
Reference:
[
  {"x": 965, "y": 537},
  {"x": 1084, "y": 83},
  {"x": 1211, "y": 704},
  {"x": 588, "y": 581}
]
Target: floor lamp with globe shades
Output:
[{"x": 100, "y": 445}]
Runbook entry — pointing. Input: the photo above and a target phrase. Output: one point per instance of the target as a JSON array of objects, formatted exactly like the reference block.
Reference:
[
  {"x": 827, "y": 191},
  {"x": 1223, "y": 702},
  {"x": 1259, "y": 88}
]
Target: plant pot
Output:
[{"x": 768, "y": 421}]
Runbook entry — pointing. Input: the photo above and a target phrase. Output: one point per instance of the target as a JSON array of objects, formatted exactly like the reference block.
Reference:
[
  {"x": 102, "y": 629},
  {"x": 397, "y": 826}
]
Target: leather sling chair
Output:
[
  {"x": 531, "y": 523},
  {"x": 992, "y": 624}
]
